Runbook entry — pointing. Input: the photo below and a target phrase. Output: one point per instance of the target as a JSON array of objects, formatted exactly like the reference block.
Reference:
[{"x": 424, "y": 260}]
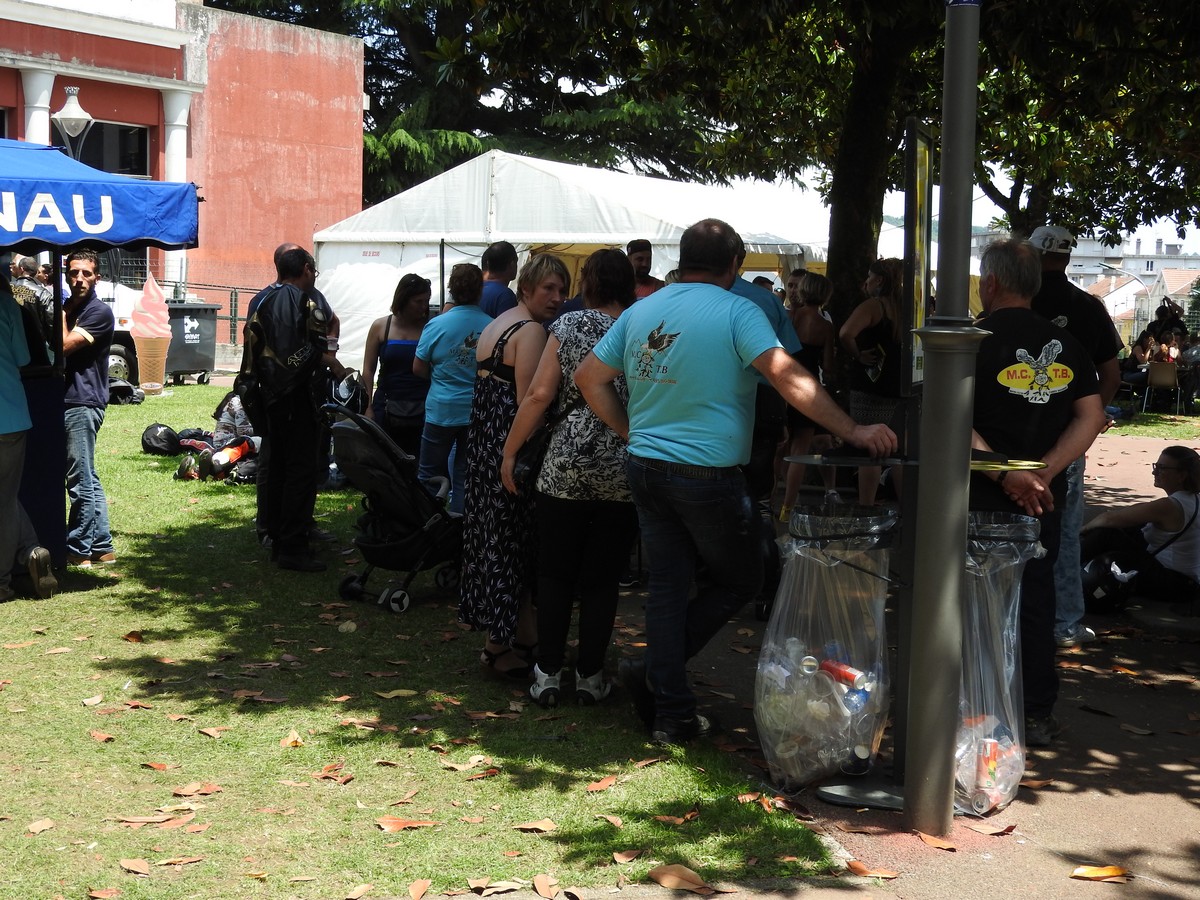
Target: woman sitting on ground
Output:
[
  {"x": 582, "y": 491},
  {"x": 1160, "y": 539}
]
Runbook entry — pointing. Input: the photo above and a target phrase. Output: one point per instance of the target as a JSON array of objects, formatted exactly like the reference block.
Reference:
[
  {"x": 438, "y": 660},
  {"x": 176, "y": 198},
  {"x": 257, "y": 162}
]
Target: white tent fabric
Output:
[{"x": 538, "y": 204}]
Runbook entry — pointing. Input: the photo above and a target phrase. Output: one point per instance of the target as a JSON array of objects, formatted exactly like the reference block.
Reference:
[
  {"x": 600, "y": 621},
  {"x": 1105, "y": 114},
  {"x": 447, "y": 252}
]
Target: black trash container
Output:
[{"x": 193, "y": 349}]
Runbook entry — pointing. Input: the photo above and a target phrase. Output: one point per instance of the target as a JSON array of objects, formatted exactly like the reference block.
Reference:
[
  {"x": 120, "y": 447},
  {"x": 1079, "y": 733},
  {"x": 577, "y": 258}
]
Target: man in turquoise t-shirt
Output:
[{"x": 690, "y": 353}]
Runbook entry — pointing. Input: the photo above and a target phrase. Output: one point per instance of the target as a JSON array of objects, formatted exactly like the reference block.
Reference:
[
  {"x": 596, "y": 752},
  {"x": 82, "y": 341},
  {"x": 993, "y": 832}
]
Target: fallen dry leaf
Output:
[
  {"x": 1035, "y": 784},
  {"x": 93, "y": 701},
  {"x": 392, "y": 695},
  {"x": 748, "y": 798},
  {"x": 679, "y": 820},
  {"x": 394, "y": 823},
  {"x": 1101, "y": 873},
  {"x": 104, "y": 893},
  {"x": 101, "y": 737},
  {"x": 198, "y": 828},
  {"x": 359, "y": 892},
  {"x": 134, "y": 637},
  {"x": 993, "y": 830},
  {"x": 679, "y": 878},
  {"x": 417, "y": 889},
  {"x": 546, "y": 886},
  {"x": 180, "y": 861},
  {"x": 1135, "y": 729},
  {"x": 936, "y": 842},
  {"x": 603, "y": 784},
  {"x": 624, "y": 856},
  {"x": 857, "y": 868},
  {"x": 214, "y": 732},
  {"x": 641, "y": 764},
  {"x": 136, "y": 866},
  {"x": 293, "y": 739},
  {"x": 57, "y": 650},
  {"x": 197, "y": 789},
  {"x": 614, "y": 821},
  {"x": 39, "y": 826},
  {"x": 471, "y": 820},
  {"x": 486, "y": 773},
  {"x": 541, "y": 826}
]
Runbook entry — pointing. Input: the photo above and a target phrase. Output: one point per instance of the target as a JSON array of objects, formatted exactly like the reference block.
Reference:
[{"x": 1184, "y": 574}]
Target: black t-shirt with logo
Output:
[{"x": 1028, "y": 375}]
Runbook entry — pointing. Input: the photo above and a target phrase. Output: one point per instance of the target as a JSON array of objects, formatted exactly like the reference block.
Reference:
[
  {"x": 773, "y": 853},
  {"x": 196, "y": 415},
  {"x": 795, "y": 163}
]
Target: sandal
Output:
[{"x": 490, "y": 659}]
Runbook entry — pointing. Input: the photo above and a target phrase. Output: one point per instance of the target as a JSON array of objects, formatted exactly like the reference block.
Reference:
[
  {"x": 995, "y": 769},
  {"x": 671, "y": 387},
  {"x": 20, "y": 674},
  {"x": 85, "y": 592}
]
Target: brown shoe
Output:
[
  {"x": 78, "y": 562},
  {"x": 41, "y": 573},
  {"x": 105, "y": 559}
]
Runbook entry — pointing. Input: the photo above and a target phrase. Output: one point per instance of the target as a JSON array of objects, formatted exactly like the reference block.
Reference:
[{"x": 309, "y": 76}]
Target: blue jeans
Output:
[
  {"x": 436, "y": 443},
  {"x": 1068, "y": 578},
  {"x": 685, "y": 521},
  {"x": 88, "y": 533}
]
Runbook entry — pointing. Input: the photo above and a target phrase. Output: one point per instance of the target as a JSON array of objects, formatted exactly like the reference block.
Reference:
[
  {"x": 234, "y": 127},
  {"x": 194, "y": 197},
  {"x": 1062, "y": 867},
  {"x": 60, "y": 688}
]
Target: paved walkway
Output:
[{"x": 1122, "y": 784}]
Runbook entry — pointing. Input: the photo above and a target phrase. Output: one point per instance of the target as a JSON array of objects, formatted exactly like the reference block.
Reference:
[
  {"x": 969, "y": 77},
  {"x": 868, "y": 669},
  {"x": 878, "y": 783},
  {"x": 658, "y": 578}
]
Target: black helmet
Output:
[
  {"x": 1107, "y": 582},
  {"x": 350, "y": 392}
]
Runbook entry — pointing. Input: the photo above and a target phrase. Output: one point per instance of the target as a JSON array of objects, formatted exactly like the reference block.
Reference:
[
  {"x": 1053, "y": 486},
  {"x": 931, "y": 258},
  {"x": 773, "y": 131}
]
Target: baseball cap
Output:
[{"x": 1052, "y": 239}]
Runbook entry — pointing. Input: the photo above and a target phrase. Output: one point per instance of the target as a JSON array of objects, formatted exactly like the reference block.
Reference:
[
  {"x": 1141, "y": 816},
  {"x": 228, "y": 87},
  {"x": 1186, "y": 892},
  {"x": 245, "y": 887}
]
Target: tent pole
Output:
[{"x": 442, "y": 269}]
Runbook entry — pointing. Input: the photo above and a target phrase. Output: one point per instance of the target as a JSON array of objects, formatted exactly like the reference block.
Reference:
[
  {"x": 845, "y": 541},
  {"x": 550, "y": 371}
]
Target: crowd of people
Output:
[{"x": 668, "y": 404}]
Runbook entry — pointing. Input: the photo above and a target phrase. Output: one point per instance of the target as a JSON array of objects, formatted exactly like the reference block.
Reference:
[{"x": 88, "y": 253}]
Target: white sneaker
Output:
[
  {"x": 545, "y": 688},
  {"x": 1080, "y": 634},
  {"x": 591, "y": 690}
]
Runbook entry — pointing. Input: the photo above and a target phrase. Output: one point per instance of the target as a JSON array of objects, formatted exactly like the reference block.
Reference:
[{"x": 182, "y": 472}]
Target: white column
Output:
[
  {"x": 37, "y": 85},
  {"x": 176, "y": 106}
]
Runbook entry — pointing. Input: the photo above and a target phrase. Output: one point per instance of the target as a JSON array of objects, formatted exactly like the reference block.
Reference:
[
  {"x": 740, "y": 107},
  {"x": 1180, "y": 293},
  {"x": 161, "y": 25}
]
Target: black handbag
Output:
[{"x": 532, "y": 453}]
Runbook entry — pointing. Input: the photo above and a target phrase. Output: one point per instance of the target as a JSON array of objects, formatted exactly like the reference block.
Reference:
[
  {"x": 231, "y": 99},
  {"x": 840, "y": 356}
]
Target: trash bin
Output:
[
  {"x": 193, "y": 349},
  {"x": 989, "y": 758},
  {"x": 821, "y": 692}
]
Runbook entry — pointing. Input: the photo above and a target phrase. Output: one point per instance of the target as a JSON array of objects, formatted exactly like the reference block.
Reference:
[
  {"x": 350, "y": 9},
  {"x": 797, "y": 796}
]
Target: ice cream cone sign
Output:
[{"x": 151, "y": 332}]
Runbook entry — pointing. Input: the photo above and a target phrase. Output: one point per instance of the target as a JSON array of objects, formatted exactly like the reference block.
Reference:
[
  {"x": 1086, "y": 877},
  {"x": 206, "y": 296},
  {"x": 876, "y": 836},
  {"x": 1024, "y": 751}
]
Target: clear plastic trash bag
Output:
[
  {"x": 989, "y": 759},
  {"x": 821, "y": 693}
]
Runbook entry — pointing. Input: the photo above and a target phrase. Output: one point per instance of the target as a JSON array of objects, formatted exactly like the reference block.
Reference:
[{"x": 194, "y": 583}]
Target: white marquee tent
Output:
[{"x": 540, "y": 205}]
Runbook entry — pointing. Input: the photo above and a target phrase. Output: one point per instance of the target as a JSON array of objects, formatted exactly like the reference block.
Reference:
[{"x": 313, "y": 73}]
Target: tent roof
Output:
[
  {"x": 48, "y": 200},
  {"x": 553, "y": 202}
]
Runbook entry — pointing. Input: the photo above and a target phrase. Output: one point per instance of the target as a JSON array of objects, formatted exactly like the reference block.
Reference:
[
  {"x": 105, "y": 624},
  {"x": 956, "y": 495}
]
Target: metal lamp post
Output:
[
  {"x": 1139, "y": 321},
  {"x": 73, "y": 121}
]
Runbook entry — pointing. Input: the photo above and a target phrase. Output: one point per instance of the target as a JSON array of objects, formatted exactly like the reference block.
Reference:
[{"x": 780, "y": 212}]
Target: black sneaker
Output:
[
  {"x": 630, "y": 579},
  {"x": 680, "y": 731},
  {"x": 1040, "y": 731},
  {"x": 204, "y": 464},
  {"x": 632, "y": 675},
  {"x": 299, "y": 563},
  {"x": 321, "y": 535}
]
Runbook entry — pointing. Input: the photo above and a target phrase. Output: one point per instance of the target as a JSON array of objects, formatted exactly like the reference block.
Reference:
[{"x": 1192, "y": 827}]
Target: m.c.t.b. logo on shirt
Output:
[
  {"x": 1036, "y": 379},
  {"x": 649, "y": 365}
]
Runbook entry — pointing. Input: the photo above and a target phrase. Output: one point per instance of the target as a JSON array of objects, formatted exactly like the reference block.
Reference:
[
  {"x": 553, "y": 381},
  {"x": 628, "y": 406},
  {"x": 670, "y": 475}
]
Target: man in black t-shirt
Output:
[
  {"x": 87, "y": 334},
  {"x": 1087, "y": 320},
  {"x": 1036, "y": 398}
]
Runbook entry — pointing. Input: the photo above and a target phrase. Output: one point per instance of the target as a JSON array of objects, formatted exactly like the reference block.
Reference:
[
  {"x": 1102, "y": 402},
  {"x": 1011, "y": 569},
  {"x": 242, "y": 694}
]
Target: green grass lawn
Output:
[
  {"x": 1160, "y": 425},
  {"x": 167, "y": 687}
]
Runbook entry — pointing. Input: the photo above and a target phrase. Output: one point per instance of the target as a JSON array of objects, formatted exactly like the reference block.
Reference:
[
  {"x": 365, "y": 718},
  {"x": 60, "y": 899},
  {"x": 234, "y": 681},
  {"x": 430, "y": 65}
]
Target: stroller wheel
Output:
[
  {"x": 446, "y": 578},
  {"x": 350, "y": 588},
  {"x": 394, "y": 599}
]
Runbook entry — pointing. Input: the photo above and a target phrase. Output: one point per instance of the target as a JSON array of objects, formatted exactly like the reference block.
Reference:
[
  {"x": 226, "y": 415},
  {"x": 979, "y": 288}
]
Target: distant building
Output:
[{"x": 265, "y": 118}]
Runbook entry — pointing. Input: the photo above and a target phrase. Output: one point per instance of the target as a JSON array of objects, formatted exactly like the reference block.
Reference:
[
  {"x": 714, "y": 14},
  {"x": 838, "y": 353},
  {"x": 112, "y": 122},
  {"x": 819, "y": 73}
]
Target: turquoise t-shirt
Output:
[
  {"x": 686, "y": 351},
  {"x": 448, "y": 345}
]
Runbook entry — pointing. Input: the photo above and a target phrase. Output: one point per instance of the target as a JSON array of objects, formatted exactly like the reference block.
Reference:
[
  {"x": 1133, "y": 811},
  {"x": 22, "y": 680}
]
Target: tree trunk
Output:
[{"x": 859, "y": 179}]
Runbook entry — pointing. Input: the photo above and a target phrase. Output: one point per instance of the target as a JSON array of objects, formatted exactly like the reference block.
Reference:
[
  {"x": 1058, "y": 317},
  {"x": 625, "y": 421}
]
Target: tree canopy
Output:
[{"x": 1085, "y": 107}]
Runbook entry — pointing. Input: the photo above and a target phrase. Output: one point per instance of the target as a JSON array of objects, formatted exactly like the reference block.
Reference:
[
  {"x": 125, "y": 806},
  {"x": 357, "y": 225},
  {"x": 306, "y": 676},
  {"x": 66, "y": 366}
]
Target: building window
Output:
[{"x": 1149, "y": 265}]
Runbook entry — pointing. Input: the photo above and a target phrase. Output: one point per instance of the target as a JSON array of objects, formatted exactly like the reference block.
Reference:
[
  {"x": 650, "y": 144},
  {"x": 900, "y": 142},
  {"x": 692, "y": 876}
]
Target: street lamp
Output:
[
  {"x": 1137, "y": 312},
  {"x": 73, "y": 121}
]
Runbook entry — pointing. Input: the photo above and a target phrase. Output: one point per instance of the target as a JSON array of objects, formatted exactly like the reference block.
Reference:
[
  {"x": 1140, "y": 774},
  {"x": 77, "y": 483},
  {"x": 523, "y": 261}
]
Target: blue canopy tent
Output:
[{"x": 48, "y": 201}]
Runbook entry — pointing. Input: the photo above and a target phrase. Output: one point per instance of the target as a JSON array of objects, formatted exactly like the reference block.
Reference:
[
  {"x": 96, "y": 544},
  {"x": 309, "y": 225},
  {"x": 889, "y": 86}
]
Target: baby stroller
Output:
[{"x": 405, "y": 526}]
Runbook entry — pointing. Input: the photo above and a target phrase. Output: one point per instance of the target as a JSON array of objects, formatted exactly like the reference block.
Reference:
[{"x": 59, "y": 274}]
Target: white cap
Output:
[{"x": 1052, "y": 239}]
